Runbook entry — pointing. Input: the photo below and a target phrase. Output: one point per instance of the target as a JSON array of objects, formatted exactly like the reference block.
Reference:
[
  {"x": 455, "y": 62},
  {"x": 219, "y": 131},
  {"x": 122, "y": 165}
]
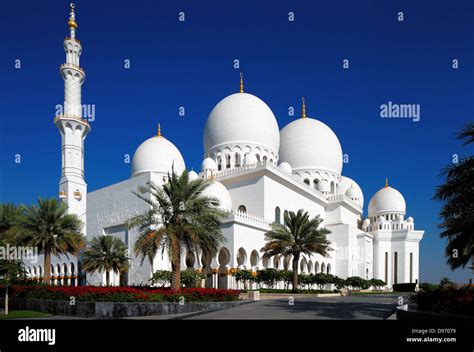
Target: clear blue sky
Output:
[{"x": 190, "y": 64}]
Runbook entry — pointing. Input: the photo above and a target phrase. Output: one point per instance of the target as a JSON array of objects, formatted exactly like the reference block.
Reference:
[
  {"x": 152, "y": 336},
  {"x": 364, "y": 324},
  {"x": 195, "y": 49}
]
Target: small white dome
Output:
[
  {"x": 209, "y": 164},
  {"x": 324, "y": 186},
  {"x": 192, "y": 175},
  {"x": 250, "y": 159},
  {"x": 309, "y": 144},
  {"x": 241, "y": 119},
  {"x": 410, "y": 219},
  {"x": 387, "y": 200},
  {"x": 157, "y": 154},
  {"x": 347, "y": 183},
  {"x": 285, "y": 167},
  {"x": 219, "y": 191},
  {"x": 366, "y": 223},
  {"x": 352, "y": 193}
]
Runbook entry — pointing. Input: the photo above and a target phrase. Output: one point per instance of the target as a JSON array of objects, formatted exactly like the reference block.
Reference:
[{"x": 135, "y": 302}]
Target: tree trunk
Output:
[
  {"x": 47, "y": 267},
  {"x": 296, "y": 259},
  {"x": 176, "y": 270},
  {"x": 6, "y": 300},
  {"x": 107, "y": 278}
]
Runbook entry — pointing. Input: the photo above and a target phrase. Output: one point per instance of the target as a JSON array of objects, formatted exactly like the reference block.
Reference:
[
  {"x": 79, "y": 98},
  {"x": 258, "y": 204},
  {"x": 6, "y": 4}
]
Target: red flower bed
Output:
[
  {"x": 451, "y": 300},
  {"x": 124, "y": 294}
]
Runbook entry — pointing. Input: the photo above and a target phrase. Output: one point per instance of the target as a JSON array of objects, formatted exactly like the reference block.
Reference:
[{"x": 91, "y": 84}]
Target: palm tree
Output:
[
  {"x": 49, "y": 228},
  {"x": 9, "y": 217},
  {"x": 180, "y": 217},
  {"x": 297, "y": 235},
  {"x": 106, "y": 253},
  {"x": 457, "y": 213}
]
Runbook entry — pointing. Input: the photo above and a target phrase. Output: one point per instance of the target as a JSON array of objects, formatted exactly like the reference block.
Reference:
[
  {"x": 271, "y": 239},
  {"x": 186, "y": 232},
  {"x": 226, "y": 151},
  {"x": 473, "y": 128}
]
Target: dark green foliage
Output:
[{"x": 457, "y": 213}]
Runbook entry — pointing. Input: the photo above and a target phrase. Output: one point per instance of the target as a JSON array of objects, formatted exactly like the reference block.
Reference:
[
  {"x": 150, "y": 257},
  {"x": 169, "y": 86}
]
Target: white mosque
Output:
[{"x": 258, "y": 173}]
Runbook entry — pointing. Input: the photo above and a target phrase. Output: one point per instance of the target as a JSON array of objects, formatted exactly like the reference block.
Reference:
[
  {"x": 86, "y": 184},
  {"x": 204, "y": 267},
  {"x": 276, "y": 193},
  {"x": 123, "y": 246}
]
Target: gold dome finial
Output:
[
  {"x": 241, "y": 82},
  {"x": 159, "y": 130},
  {"x": 72, "y": 17},
  {"x": 386, "y": 182},
  {"x": 303, "y": 108}
]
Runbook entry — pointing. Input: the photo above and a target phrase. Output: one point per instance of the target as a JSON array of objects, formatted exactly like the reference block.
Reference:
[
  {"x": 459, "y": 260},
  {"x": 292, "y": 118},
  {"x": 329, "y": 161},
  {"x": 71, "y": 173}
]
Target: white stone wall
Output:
[{"x": 114, "y": 206}]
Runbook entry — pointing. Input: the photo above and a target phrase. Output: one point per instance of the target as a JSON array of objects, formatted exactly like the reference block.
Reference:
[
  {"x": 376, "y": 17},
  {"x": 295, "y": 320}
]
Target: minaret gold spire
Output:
[
  {"x": 386, "y": 182},
  {"x": 72, "y": 17},
  {"x": 303, "y": 108},
  {"x": 159, "y": 130},
  {"x": 241, "y": 82}
]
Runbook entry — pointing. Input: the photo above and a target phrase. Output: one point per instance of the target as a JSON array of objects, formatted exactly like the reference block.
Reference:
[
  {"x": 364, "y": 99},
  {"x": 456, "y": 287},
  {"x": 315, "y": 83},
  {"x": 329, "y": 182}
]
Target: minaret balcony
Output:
[
  {"x": 75, "y": 118},
  {"x": 73, "y": 39},
  {"x": 74, "y": 67}
]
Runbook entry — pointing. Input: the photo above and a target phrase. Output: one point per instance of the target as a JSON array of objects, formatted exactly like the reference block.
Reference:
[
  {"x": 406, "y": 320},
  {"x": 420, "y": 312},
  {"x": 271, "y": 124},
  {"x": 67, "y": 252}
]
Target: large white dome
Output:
[
  {"x": 219, "y": 191},
  {"x": 387, "y": 200},
  {"x": 309, "y": 144},
  {"x": 241, "y": 119},
  {"x": 157, "y": 154}
]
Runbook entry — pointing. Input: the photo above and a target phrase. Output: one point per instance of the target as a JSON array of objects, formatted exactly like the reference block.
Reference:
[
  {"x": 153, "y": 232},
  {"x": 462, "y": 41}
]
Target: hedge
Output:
[
  {"x": 405, "y": 287},
  {"x": 123, "y": 294}
]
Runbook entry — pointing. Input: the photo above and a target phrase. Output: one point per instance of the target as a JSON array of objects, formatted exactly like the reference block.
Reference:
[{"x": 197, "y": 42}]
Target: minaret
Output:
[{"x": 73, "y": 128}]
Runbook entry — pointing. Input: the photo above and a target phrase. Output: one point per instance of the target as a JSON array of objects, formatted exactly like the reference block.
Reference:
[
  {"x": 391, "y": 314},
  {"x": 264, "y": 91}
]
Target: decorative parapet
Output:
[
  {"x": 254, "y": 220},
  {"x": 261, "y": 165},
  {"x": 343, "y": 198}
]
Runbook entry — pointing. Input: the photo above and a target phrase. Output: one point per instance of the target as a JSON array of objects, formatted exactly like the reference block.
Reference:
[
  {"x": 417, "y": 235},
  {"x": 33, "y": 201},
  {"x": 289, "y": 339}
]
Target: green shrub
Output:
[
  {"x": 287, "y": 277},
  {"x": 161, "y": 278},
  {"x": 305, "y": 280},
  {"x": 377, "y": 283},
  {"x": 269, "y": 277},
  {"x": 357, "y": 282},
  {"x": 189, "y": 277},
  {"x": 244, "y": 275},
  {"x": 426, "y": 286}
]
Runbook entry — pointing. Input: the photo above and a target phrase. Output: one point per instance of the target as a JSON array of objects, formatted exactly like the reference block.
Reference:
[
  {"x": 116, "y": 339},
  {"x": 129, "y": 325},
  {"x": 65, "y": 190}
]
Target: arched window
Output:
[
  {"x": 237, "y": 160},
  {"x": 285, "y": 214},
  {"x": 328, "y": 269},
  {"x": 219, "y": 163},
  {"x": 242, "y": 209},
  {"x": 315, "y": 183},
  {"x": 227, "y": 161},
  {"x": 306, "y": 180},
  {"x": 332, "y": 187},
  {"x": 366, "y": 273},
  {"x": 277, "y": 215},
  {"x": 265, "y": 159}
]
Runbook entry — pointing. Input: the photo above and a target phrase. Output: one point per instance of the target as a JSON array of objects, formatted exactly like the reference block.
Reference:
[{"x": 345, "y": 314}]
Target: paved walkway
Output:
[{"x": 308, "y": 308}]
